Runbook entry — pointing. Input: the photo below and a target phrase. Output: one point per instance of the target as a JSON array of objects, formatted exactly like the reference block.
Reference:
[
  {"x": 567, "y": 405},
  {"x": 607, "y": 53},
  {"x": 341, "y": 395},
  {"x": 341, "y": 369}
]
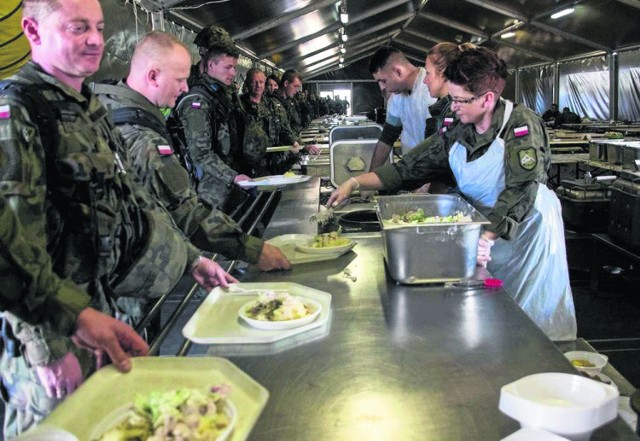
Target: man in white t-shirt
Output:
[{"x": 408, "y": 106}]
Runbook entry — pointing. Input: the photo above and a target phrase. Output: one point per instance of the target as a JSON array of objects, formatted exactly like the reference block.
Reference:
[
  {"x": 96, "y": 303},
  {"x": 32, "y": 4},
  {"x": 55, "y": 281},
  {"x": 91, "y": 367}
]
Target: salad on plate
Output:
[
  {"x": 277, "y": 306},
  {"x": 179, "y": 414}
]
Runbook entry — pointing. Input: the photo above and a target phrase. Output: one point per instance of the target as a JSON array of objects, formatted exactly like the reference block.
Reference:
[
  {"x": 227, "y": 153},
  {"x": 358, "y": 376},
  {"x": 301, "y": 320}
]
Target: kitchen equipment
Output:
[
  {"x": 361, "y": 220},
  {"x": 568, "y": 405},
  {"x": 429, "y": 253},
  {"x": 339, "y": 133},
  {"x": 351, "y": 158},
  {"x": 585, "y": 204},
  {"x": 606, "y": 150},
  {"x": 631, "y": 156},
  {"x": 624, "y": 210}
]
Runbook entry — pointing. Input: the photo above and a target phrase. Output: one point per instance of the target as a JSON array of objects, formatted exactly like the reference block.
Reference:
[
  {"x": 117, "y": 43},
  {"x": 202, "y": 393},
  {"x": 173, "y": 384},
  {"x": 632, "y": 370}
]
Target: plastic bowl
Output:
[
  {"x": 585, "y": 361},
  {"x": 568, "y": 405}
]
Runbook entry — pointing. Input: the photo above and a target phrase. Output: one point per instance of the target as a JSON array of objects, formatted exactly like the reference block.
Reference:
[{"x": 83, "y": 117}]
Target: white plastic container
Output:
[
  {"x": 597, "y": 360},
  {"x": 568, "y": 405}
]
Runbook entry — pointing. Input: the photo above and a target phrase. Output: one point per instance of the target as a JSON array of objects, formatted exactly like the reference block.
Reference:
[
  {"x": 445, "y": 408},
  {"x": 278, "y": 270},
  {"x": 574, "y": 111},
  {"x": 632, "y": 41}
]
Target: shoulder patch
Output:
[
  {"x": 164, "y": 149},
  {"x": 196, "y": 105},
  {"x": 528, "y": 158},
  {"x": 5, "y": 112},
  {"x": 448, "y": 121},
  {"x": 521, "y": 131}
]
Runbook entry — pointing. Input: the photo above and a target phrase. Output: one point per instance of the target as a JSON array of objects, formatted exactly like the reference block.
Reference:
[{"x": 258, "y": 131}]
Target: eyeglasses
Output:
[{"x": 468, "y": 100}]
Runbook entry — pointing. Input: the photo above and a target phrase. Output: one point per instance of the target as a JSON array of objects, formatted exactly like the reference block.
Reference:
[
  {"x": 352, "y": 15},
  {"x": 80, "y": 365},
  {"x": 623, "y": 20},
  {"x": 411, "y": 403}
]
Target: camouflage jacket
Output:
[
  {"x": 77, "y": 204},
  {"x": 256, "y": 120},
  {"x": 293, "y": 113},
  {"x": 429, "y": 160},
  {"x": 208, "y": 113},
  {"x": 161, "y": 173}
]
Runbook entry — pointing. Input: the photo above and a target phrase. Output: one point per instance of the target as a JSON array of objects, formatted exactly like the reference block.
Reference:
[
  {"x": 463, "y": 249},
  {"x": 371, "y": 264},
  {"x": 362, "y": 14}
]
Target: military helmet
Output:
[{"x": 214, "y": 36}]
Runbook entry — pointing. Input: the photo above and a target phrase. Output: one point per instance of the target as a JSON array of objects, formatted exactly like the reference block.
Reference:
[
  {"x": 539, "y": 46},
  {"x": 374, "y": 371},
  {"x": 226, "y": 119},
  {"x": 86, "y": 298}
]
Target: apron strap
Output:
[{"x": 507, "y": 114}]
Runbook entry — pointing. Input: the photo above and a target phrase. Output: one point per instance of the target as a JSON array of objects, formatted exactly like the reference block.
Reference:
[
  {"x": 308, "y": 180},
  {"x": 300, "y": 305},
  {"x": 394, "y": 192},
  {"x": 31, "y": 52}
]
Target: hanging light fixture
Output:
[
  {"x": 341, "y": 59},
  {"x": 508, "y": 35},
  {"x": 562, "y": 13},
  {"x": 342, "y": 49},
  {"x": 340, "y": 65},
  {"x": 343, "y": 34},
  {"x": 344, "y": 15}
]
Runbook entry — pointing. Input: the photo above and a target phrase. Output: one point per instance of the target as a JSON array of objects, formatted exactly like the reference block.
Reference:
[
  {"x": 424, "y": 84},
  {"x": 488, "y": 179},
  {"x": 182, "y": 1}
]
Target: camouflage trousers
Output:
[{"x": 26, "y": 401}]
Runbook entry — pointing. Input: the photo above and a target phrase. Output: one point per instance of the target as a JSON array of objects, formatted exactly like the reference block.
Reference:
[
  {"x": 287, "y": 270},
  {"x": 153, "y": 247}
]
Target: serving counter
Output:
[{"x": 394, "y": 362}]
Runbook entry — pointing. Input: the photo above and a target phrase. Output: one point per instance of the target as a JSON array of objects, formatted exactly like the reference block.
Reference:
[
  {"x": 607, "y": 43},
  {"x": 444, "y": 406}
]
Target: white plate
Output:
[
  {"x": 106, "y": 392},
  {"x": 120, "y": 414},
  {"x": 216, "y": 320},
  {"x": 288, "y": 245},
  {"x": 314, "y": 306},
  {"x": 306, "y": 248},
  {"x": 274, "y": 180}
]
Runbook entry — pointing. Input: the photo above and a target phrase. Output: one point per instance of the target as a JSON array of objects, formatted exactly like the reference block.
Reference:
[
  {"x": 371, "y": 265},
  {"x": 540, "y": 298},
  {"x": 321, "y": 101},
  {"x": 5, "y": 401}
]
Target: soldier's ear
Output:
[
  {"x": 152, "y": 76},
  {"x": 30, "y": 29}
]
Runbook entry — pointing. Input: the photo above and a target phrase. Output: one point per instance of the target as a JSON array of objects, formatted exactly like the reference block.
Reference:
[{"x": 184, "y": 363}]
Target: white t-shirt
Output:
[{"x": 411, "y": 111}]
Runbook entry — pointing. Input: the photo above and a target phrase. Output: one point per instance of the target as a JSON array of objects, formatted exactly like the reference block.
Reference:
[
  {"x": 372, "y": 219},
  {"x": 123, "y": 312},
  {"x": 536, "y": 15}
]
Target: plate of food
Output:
[
  {"x": 275, "y": 180},
  {"x": 279, "y": 310},
  {"x": 192, "y": 414},
  {"x": 326, "y": 243}
]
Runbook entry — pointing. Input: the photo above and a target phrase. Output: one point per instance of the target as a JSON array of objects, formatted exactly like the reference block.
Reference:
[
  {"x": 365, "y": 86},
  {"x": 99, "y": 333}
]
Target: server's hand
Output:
[
  {"x": 239, "y": 178},
  {"x": 484, "y": 250},
  {"x": 340, "y": 195},
  {"x": 61, "y": 377}
]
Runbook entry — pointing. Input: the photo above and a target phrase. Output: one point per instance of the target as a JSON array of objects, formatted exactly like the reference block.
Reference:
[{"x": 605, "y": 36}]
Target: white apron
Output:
[{"x": 533, "y": 265}]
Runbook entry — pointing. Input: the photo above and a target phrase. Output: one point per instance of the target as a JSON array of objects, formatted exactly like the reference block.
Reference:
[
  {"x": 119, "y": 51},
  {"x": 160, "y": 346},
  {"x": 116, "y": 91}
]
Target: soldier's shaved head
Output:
[
  {"x": 39, "y": 8},
  {"x": 154, "y": 48}
]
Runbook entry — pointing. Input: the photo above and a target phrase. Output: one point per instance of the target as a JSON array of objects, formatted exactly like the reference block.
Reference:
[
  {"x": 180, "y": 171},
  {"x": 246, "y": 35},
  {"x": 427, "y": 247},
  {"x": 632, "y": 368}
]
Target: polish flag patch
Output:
[
  {"x": 196, "y": 105},
  {"x": 448, "y": 121},
  {"x": 5, "y": 112},
  {"x": 164, "y": 149},
  {"x": 521, "y": 131},
  {"x": 443, "y": 129}
]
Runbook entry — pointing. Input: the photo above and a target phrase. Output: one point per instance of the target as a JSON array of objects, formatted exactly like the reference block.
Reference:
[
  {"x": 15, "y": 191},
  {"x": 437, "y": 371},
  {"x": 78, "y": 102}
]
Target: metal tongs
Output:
[{"x": 322, "y": 217}]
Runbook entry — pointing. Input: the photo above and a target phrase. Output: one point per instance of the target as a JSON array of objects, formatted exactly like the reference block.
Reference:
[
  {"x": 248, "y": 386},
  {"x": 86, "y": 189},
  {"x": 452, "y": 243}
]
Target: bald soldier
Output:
[{"x": 162, "y": 162}]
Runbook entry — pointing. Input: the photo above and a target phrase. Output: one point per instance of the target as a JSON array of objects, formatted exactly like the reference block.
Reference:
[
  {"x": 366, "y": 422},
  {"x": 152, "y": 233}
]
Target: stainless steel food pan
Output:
[{"x": 429, "y": 253}]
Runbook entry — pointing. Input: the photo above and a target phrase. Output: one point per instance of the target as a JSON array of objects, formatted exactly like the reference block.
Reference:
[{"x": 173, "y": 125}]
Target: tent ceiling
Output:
[{"x": 305, "y": 35}]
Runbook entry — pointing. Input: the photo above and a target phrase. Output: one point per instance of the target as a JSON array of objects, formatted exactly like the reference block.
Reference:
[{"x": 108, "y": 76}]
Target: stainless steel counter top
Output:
[{"x": 396, "y": 362}]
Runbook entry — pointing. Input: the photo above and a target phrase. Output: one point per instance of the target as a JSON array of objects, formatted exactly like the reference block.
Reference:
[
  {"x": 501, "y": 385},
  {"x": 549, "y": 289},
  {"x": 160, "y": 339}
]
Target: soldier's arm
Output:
[
  {"x": 30, "y": 289},
  {"x": 199, "y": 132},
  {"x": 164, "y": 177},
  {"x": 525, "y": 159}
]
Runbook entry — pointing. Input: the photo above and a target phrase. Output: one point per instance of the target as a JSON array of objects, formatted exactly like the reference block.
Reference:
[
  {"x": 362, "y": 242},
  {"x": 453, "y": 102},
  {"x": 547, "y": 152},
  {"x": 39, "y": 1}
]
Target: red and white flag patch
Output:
[
  {"x": 164, "y": 149},
  {"x": 5, "y": 112},
  {"x": 196, "y": 105},
  {"x": 521, "y": 131},
  {"x": 448, "y": 122}
]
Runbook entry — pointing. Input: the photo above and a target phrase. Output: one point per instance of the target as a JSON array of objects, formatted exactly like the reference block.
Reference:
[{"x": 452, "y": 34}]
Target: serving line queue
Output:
[{"x": 145, "y": 232}]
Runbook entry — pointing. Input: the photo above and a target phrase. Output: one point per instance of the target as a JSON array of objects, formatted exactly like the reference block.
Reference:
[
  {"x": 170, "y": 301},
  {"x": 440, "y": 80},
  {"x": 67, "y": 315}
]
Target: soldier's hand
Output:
[
  {"x": 295, "y": 148},
  {"x": 272, "y": 258},
  {"x": 239, "y": 178},
  {"x": 312, "y": 149},
  {"x": 209, "y": 274},
  {"x": 104, "y": 334},
  {"x": 61, "y": 377}
]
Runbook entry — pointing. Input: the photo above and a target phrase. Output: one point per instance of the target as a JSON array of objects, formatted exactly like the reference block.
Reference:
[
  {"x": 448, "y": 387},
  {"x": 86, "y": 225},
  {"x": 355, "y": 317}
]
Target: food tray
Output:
[
  {"x": 216, "y": 321},
  {"x": 430, "y": 252},
  {"x": 288, "y": 245},
  {"x": 274, "y": 181},
  {"x": 108, "y": 390}
]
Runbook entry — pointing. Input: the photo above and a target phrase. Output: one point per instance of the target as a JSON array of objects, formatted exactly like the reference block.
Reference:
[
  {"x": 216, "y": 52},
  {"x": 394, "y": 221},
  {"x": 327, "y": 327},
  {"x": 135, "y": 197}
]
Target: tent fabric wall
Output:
[
  {"x": 14, "y": 47},
  {"x": 584, "y": 87},
  {"x": 536, "y": 88},
  {"x": 629, "y": 86}
]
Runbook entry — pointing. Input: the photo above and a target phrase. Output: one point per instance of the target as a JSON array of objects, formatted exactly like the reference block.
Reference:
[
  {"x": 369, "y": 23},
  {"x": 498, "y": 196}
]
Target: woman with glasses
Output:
[{"x": 499, "y": 153}]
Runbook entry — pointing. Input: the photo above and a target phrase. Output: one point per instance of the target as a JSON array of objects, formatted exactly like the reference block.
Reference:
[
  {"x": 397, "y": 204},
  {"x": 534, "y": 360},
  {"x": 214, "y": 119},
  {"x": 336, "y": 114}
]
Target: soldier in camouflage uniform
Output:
[
  {"x": 273, "y": 118},
  {"x": 209, "y": 114},
  {"x": 290, "y": 85},
  {"x": 156, "y": 158},
  {"x": 72, "y": 194},
  {"x": 499, "y": 154}
]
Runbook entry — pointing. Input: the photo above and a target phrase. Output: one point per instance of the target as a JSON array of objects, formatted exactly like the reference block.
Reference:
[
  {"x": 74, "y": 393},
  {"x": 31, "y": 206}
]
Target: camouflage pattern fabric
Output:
[
  {"x": 159, "y": 171},
  {"x": 76, "y": 204},
  {"x": 527, "y": 160},
  {"x": 255, "y": 136},
  {"x": 208, "y": 114},
  {"x": 293, "y": 112},
  {"x": 280, "y": 133}
]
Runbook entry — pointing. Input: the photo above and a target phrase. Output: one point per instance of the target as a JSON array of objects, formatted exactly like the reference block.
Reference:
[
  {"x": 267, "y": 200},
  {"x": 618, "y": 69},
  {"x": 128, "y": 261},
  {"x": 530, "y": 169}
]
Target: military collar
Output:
[
  {"x": 34, "y": 72},
  {"x": 466, "y": 133},
  {"x": 136, "y": 99}
]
